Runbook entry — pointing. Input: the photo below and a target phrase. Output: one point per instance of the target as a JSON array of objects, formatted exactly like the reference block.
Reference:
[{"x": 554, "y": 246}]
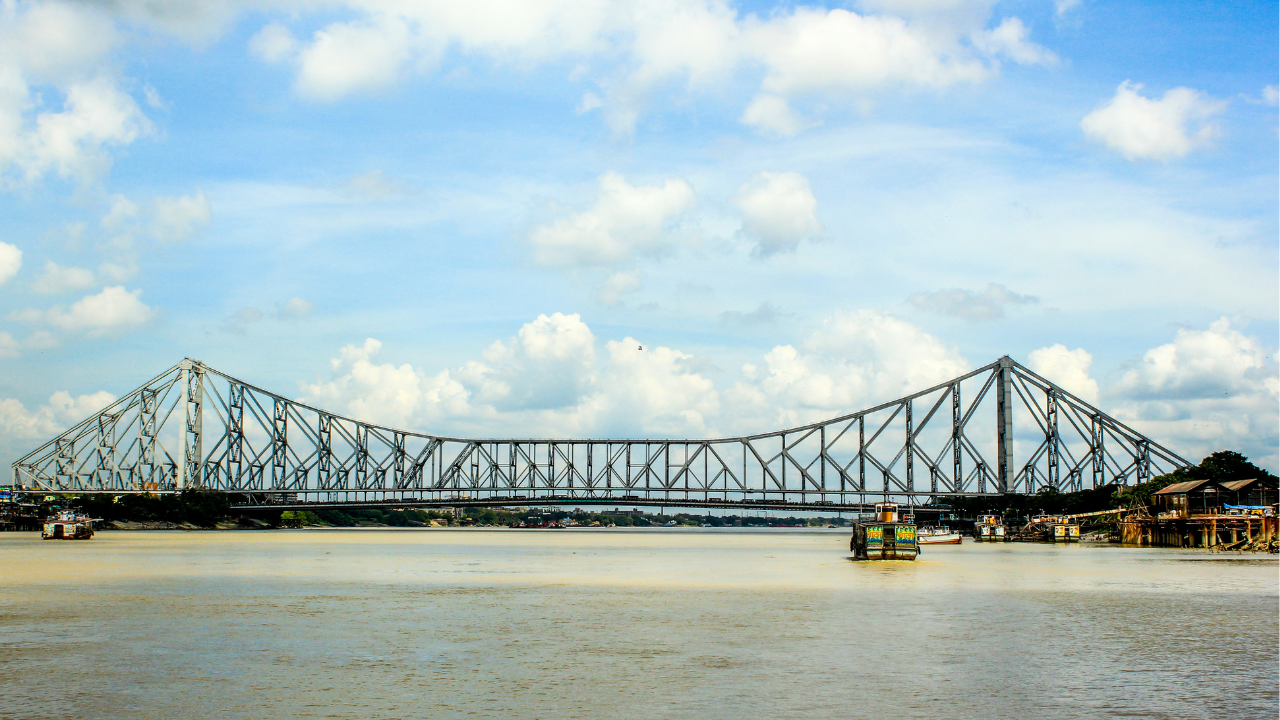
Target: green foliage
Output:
[
  {"x": 203, "y": 508},
  {"x": 298, "y": 518}
]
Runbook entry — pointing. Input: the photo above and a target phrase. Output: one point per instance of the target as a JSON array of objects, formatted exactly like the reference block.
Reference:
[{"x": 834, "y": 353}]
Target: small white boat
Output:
[{"x": 937, "y": 536}]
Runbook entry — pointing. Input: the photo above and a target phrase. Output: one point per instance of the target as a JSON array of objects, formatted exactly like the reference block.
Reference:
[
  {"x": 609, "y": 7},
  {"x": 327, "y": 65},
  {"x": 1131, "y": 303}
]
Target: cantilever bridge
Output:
[{"x": 998, "y": 429}]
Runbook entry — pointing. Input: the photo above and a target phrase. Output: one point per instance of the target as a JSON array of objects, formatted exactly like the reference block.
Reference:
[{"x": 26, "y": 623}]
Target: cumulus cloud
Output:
[
  {"x": 551, "y": 379},
  {"x": 970, "y": 305},
  {"x": 558, "y": 350},
  {"x": 778, "y": 212},
  {"x": 61, "y": 412},
  {"x": 1069, "y": 369},
  {"x": 178, "y": 218},
  {"x": 57, "y": 50},
  {"x": 10, "y": 262},
  {"x": 625, "y": 221},
  {"x": 346, "y": 58},
  {"x": 1207, "y": 390},
  {"x": 56, "y": 279},
  {"x": 111, "y": 311},
  {"x": 639, "y": 47},
  {"x": 853, "y": 360},
  {"x": 1144, "y": 129}
]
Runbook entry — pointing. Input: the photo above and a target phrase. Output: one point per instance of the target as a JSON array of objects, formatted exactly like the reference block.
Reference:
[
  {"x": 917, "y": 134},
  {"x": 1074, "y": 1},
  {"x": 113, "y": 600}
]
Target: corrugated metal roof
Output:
[
  {"x": 1236, "y": 485},
  {"x": 1183, "y": 487}
]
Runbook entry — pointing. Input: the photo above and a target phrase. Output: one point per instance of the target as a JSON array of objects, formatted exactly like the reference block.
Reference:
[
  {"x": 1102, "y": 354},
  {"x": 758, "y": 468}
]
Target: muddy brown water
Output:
[{"x": 659, "y": 623}]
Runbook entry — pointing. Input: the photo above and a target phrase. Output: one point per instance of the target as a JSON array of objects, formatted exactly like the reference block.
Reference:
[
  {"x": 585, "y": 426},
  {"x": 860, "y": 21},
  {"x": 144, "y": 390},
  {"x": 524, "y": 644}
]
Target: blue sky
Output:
[{"x": 797, "y": 210}]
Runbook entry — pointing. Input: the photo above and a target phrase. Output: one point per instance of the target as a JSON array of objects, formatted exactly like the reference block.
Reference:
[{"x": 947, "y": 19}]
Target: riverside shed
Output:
[
  {"x": 1195, "y": 497},
  {"x": 1253, "y": 492}
]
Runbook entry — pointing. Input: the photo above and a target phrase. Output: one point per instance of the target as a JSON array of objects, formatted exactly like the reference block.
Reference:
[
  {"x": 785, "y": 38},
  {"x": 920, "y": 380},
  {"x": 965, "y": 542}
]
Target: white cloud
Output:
[
  {"x": 273, "y": 43},
  {"x": 8, "y": 346},
  {"x": 61, "y": 412},
  {"x": 969, "y": 305},
  {"x": 122, "y": 212},
  {"x": 1143, "y": 129},
  {"x": 11, "y": 347},
  {"x": 1062, "y": 7},
  {"x": 397, "y": 396},
  {"x": 10, "y": 262},
  {"x": 619, "y": 284},
  {"x": 549, "y": 364},
  {"x": 1208, "y": 390},
  {"x": 639, "y": 47},
  {"x": 1270, "y": 95},
  {"x": 296, "y": 307},
  {"x": 773, "y": 114},
  {"x": 1009, "y": 39},
  {"x": 353, "y": 57},
  {"x": 778, "y": 211},
  {"x": 823, "y": 50},
  {"x": 1069, "y": 369},
  {"x": 57, "y": 279},
  {"x": 108, "y": 312},
  {"x": 854, "y": 360},
  {"x": 178, "y": 218},
  {"x": 625, "y": 221},
  {"x": 72, "y": 143}
]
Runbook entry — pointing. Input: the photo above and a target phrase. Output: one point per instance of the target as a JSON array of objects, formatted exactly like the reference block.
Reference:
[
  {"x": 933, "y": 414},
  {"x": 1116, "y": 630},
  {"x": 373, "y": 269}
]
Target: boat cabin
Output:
[{"x": 886, "y": 535}]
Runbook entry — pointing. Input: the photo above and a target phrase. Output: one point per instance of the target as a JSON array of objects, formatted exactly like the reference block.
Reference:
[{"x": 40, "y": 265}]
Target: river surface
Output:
[{"x": 657, "y": 623}]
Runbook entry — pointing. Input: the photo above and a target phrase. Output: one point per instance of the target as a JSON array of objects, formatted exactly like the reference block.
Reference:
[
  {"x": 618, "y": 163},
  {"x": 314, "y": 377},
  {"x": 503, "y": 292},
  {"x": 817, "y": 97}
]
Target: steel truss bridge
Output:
[{"x": 195, "y": 427}]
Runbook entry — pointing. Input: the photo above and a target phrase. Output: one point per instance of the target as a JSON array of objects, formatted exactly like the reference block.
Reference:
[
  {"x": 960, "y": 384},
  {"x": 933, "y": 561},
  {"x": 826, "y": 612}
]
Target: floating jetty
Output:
[{"x": 884, "y": 536}]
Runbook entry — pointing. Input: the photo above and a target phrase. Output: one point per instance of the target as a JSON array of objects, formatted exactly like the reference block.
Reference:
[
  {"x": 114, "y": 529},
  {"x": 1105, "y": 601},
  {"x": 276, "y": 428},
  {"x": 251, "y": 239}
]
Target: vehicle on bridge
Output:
[{"x": 885, "y": 536}]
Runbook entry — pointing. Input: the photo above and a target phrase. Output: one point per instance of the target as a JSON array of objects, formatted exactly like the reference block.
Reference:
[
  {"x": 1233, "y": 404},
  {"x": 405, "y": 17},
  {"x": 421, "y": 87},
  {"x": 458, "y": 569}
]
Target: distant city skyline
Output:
[{"x": 596, "y": 217}]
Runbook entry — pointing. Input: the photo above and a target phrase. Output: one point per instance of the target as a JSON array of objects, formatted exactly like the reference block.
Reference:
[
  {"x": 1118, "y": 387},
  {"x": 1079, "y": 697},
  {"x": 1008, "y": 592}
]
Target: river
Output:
[{"x": 614, "y": 623}]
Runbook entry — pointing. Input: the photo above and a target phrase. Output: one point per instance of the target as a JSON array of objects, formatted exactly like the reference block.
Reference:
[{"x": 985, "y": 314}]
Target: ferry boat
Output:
[
  {"x": 989, "y": 528},
  {"x": 67, "y": 525},
  {"x": 884, "y": 536},
  {"x": 937, "y": 536}
]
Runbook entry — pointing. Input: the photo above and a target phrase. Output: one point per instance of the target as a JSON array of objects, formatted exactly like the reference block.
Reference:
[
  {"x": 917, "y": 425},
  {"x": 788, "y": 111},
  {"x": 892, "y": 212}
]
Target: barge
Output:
[{"x": 884, "y": 536}]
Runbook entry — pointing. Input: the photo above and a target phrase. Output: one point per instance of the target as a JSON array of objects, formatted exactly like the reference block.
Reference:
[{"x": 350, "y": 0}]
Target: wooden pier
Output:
[{"x": 1221, "y": 532}]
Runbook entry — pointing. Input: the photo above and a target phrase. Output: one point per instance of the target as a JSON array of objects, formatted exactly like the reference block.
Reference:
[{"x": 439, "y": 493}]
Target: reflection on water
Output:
[{"x": 624, "y": 624}]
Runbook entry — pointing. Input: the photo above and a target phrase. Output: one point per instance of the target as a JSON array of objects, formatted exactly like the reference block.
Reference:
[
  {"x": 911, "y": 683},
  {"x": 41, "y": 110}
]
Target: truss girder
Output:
[{"x": 193, "y": 426}]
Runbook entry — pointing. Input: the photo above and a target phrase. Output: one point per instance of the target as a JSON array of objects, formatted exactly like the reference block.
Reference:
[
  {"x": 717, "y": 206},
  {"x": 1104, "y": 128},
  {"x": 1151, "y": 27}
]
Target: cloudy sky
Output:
[{"x": 669, "y": 217}]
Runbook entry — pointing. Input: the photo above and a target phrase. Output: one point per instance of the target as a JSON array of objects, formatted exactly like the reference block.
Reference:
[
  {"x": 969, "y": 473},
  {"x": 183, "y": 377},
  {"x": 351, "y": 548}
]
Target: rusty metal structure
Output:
[{"x": 998, "y": 429}]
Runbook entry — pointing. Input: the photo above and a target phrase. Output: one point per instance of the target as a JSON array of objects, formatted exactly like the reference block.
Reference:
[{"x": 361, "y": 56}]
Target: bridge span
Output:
[{"x": 998, "y": 429}]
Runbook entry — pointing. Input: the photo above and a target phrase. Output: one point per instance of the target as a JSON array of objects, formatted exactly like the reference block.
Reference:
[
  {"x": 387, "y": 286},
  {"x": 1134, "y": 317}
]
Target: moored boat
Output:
[
  {"x": 884, "y": 536},
  {"x": 937, "y": 536},
  {"x": 989, "y": 528},
  {"x": 67, "y": 525}
]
